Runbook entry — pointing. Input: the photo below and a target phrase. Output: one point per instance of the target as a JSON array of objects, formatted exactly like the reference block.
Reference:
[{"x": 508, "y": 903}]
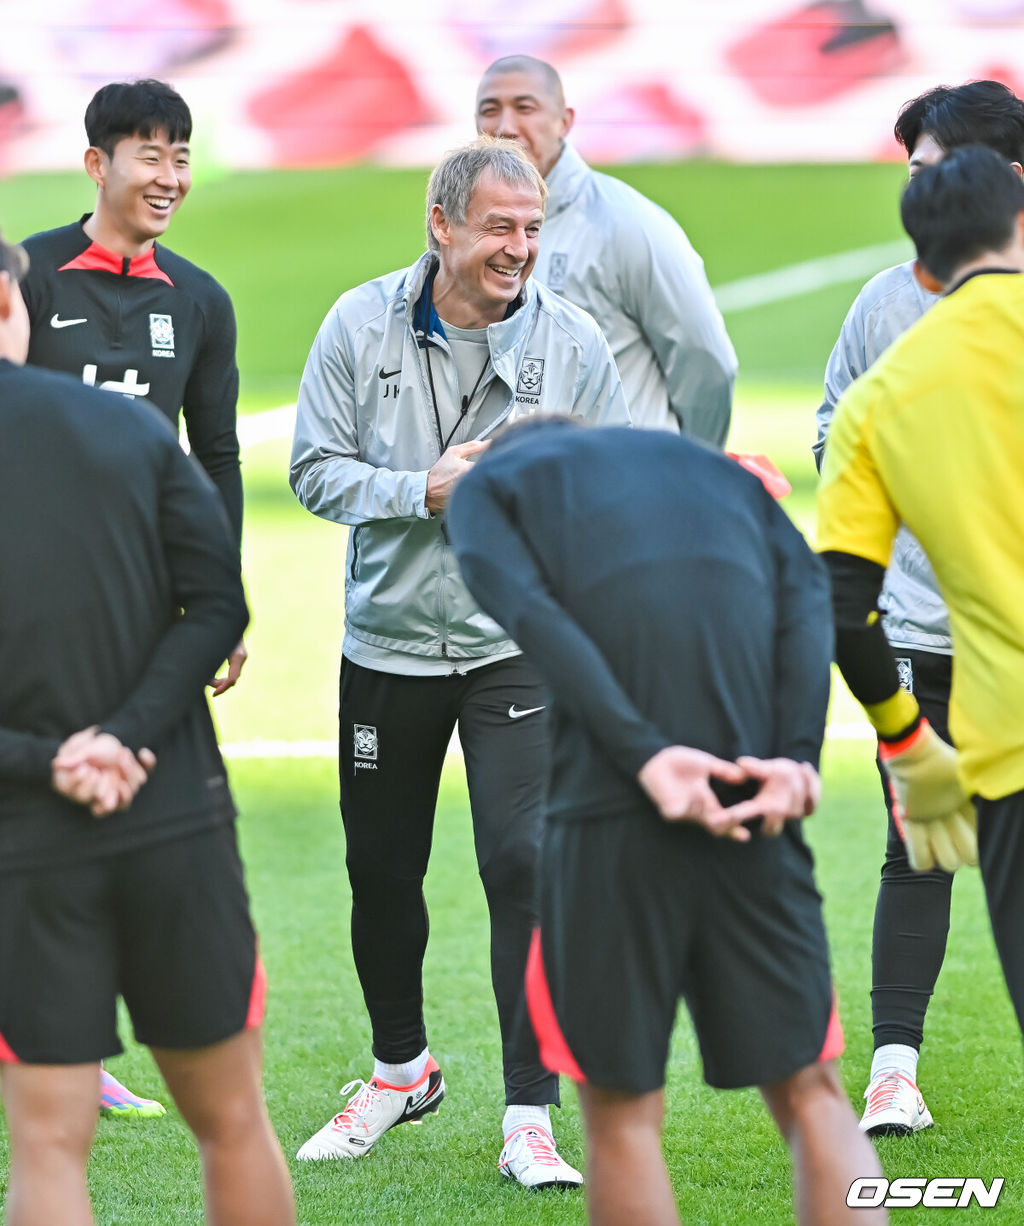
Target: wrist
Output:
[
  {"x": 894, "y": 746},
  {"x": 895, "y": 718}
]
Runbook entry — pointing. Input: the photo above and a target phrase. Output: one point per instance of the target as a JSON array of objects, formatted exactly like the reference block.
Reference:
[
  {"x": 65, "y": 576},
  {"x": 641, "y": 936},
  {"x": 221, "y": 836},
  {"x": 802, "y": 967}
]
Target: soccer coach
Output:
[
  {"x": 683, "y": 627},
  {"x": 407, "y": 378},
  {"x": 121, "y": 591},
  {"x": 623, "y": 259}
]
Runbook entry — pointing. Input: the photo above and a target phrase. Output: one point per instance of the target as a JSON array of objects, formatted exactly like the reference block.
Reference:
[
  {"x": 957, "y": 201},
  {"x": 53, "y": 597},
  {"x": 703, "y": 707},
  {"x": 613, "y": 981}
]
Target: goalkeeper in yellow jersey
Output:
[{"x": 932, "y": 436}]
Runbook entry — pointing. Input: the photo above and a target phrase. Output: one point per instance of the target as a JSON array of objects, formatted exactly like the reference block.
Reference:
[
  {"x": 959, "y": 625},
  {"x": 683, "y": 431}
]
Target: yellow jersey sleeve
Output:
[{"x": 855, "y": 512}]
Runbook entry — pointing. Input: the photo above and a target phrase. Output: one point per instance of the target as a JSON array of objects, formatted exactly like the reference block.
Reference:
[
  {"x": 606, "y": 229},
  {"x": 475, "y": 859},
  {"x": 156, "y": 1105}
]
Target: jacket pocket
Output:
[{"x": 354, "y": 560}]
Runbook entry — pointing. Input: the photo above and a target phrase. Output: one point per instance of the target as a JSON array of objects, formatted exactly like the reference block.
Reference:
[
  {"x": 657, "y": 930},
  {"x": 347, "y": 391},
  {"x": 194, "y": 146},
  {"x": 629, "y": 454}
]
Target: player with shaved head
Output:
[{"x": 623, "y": 259}]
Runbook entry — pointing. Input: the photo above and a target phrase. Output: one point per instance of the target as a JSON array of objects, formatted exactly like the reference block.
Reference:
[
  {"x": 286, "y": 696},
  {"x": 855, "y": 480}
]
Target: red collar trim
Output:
[{"x": 98, "y": 259}]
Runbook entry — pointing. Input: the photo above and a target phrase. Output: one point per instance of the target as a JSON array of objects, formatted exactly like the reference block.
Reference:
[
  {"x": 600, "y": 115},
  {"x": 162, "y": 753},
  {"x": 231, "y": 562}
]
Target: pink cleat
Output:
[{"x": 120, "y": 1103}]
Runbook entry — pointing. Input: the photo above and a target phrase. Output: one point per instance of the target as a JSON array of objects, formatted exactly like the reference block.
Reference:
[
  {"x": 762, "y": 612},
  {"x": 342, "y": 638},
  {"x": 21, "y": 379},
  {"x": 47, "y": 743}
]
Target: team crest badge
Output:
[
  {"x": 161, "y": 334},
  {"x": 557, "y": 268},
  {"x": 365, "y": 741},
  {"x": 905, "y": 671},
  {"x": 531, "y": 377}
]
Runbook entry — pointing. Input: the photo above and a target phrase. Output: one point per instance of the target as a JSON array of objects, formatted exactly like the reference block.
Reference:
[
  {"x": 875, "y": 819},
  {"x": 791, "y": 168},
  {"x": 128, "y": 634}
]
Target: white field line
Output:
[
  {"x": 741, "y": 295},
  {"x": 262, "y": 427},
  {"x": 797, "y": 279},
  {"x": 329, "y": 749}
]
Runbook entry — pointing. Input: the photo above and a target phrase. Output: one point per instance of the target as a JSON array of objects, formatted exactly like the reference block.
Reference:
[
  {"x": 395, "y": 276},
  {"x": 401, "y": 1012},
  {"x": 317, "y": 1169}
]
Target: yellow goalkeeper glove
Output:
[{"x": 936, "y": 817}]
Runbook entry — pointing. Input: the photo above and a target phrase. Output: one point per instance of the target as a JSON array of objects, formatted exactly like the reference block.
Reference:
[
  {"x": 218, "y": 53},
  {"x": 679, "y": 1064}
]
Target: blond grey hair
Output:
[{"x": 455, "y": 177}]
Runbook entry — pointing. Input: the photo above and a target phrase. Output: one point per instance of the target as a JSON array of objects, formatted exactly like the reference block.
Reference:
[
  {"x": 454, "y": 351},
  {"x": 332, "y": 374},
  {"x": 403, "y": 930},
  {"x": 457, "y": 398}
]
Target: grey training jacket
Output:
[
  {"x": 914, "y": 614},
  {"x": 365, "y": 437},
  {"x": 621, "y": 257}
]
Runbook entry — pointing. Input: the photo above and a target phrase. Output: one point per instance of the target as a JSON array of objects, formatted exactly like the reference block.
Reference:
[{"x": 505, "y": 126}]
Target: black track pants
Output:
[
  {"x": 912, "y": 912},
  {"x": 394, "y": 731}
]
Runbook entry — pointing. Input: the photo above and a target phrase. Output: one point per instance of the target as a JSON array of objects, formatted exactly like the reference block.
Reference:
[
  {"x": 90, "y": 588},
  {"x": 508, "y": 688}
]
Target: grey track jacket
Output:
[
  {"x": 914, "y": 613},
  {"x": 365, "y": 438},
  {"x": 626, "y": 261}
]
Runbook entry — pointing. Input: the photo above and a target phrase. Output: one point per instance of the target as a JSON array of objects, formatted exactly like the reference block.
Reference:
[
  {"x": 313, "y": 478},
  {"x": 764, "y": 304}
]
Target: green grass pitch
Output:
[{"x": 285, "y": 245}]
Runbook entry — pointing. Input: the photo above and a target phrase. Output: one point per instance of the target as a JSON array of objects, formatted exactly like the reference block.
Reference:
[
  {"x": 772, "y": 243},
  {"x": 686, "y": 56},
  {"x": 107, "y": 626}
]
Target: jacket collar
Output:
[
  {"x": 565, "y": 181},
  {"x": 417, "y": 294},
  {"x": 94, "y": 258}
]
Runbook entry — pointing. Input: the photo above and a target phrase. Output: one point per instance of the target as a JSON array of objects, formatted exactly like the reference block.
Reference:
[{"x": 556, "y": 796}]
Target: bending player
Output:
[
  {"x": 683, "y": 628},
  {"x": 121, "y": 592}
]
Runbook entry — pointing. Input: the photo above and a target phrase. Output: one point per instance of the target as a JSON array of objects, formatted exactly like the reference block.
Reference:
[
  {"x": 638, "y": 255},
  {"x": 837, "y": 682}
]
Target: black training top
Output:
[
  {"x": 662, "y": 593},
  {"x": 153, "y": 326},
  {"x": 120, "y": 595}
]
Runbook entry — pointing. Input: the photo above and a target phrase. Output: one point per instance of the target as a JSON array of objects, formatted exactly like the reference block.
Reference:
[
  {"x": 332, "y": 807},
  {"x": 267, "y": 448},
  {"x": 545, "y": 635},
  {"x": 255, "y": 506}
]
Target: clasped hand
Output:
[
  {"x": 94, "y": 769},
  {"x": 678, "y": 782}
]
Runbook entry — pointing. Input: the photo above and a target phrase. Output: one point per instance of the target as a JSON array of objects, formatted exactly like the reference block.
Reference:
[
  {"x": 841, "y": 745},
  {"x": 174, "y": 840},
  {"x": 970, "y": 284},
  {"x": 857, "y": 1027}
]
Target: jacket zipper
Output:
[
  {"x": 355, "y": 551},
  {"x": 428, "y": 388},
  {"x": 119, "y": 319}
]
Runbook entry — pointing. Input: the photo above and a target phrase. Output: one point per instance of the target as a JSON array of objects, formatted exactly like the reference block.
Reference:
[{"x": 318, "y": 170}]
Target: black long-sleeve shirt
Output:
[
  {"x": 660, "y": 591},
  {"x": 155, "y": 326},
  {"x": 120, "y": 595}
]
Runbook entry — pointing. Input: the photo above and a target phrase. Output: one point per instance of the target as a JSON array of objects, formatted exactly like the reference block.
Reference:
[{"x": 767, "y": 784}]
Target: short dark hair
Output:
[
  {"x": 977, "y": 113},
  {"x": 961, "y": 208},
  {"x": 130, "y": 108},
  {"x": 909, "y": 123},
  {"x": 13, "y": 259}
]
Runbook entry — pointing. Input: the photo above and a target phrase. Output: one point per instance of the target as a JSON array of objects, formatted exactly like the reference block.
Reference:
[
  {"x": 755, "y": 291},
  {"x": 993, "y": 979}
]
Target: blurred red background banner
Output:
[{"x": 328, "y": 82}]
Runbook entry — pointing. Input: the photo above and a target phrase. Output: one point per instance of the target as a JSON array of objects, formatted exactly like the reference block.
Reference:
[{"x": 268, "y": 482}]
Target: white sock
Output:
[
  {"x": 402, "y": 1074},
  {"x": 516, "y": 1116},
  {"x": 895, "y": 1057}
]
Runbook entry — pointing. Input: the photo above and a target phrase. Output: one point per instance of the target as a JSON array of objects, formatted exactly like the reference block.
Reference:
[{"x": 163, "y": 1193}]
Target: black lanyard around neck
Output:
[{"x": 466, "y": 400}]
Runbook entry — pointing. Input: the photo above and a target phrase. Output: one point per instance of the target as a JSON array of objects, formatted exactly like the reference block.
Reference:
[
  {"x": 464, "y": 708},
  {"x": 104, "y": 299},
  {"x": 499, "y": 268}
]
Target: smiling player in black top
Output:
[{"x": 111, "y": 307}]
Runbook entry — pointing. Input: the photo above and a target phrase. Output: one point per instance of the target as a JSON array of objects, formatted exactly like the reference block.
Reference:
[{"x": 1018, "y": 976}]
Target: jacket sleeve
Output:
[
  {"x": 665, "y": 290},
  {"x": 862, "y": 652},
  {"x": 203, "y": 563},
  {"x": 505, "y": 579},
  {"x": 803, "y": 641},
  {"x": 599, "y": 398},
  {"x": 327, "y": 475},
  {"x": 210, "y": 404},
  {"x": 848, "y": 361},
  {"x": 32, "y": 290},
  {"x": 25, "y": 756}
]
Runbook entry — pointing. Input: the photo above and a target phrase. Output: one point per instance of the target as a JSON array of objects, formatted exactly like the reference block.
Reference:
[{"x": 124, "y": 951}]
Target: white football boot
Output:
[
  {"x": 895, "y": 1107},
  {"x": 530, "y": 1157},
  {"x": 375, "y": 1107}
]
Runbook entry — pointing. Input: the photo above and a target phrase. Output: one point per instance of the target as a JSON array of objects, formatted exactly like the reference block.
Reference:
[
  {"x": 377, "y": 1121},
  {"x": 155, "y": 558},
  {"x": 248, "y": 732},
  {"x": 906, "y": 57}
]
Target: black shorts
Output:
[
  {"x": 637, "y": 912},
  {"x": 165, "y": 926}
]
